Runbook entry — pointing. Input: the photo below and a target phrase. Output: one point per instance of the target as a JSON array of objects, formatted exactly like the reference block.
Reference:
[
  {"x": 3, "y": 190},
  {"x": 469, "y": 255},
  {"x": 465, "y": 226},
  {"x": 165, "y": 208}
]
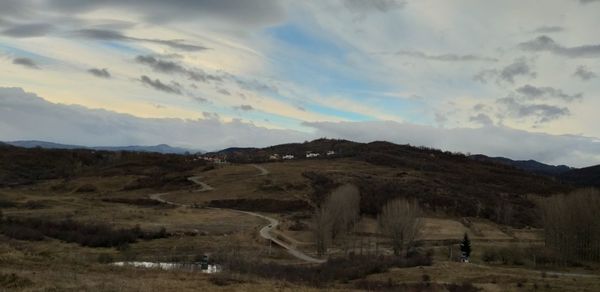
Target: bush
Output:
[
  {"x": 339, "y": 269},
  {"x": 13, "y": 281},
  {"x": 7, "y": 204},
  {"x": 86, "y": 188},
  {"x": 464, "y": 287},
  {"x": 262, "y": 205},
  {"x": 93, "y": 235},
  {"x": 105, "y": 258}
]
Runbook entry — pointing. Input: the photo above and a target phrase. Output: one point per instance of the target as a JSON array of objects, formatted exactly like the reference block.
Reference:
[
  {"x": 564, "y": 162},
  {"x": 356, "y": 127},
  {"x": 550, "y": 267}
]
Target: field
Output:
[{"x": 194, "y": 227}]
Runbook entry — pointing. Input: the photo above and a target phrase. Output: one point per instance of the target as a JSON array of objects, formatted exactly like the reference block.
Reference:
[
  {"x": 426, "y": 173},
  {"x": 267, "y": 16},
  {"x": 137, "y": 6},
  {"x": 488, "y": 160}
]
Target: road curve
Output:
[
  {"x": 263, "y": 171},
  {"x": 265, "y": 232}
]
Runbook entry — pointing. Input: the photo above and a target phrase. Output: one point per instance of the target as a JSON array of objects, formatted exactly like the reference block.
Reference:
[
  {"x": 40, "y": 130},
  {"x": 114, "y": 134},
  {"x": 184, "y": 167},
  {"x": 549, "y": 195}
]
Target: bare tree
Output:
[
  {"x": 344, "y": 207},
  {"x": 572, "y": 224},
  {"x": 399, "y": 220},
  {"x": 336, "y": 216},
  {"x": 321, "y": 229}
]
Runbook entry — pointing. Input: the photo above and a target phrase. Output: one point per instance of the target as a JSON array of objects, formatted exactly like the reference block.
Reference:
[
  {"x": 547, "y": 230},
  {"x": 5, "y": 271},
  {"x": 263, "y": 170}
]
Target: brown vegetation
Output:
[
  {"x": 399, "y": 220},
  {"x": 572, "y": 224}
]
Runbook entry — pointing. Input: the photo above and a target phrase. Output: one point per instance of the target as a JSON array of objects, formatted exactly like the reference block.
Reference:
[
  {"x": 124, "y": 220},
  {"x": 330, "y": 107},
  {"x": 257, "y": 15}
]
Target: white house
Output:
[
  {"x": 274, "y": 156},
  {"x": 288, "y": 156},
  {"x": 330, "y": 152},
  {"x": 311, "y": 155}
]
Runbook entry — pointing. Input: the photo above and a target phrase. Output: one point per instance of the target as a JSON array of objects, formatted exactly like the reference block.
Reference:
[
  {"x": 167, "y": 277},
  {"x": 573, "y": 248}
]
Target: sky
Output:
[{"x": 519, "y": 79}]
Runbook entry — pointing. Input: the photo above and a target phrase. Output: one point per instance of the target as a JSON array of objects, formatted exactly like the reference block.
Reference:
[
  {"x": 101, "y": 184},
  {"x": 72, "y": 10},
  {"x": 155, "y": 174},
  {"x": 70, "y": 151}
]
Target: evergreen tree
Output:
[{"x": 465, "y": 246}]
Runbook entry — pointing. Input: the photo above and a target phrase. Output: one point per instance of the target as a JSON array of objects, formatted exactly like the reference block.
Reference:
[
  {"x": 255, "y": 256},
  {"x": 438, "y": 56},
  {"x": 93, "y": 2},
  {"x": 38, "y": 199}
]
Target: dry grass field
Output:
[{"x": 54, "y": 265}]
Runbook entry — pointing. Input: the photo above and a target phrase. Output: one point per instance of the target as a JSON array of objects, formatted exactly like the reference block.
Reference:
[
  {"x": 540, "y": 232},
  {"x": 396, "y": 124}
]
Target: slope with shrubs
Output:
[
  {"x": 441, "y": 181},
  {"x": 23, "y": 166}
]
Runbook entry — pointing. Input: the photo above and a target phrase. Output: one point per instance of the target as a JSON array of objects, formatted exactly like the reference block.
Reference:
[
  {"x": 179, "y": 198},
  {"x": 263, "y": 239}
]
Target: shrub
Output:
[
  {"x": 13, "y": 281},
  {"x": 93, "y": 235},
  {"x": 338, "y": 269},
  {"x": 105, "y": 258},
  {"x": 86, "y": 188},
  {"x": 464, "y": 287}
]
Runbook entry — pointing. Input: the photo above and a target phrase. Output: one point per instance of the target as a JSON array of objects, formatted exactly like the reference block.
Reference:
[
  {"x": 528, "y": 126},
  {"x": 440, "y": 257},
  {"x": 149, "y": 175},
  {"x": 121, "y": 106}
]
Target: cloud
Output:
[
  {"x": 243, "y": 13},
  {"x": 573, "y": 150},
  {"x": 519, "y": 67},
  {"x": 113, "y": 35},
  {"x": 102, "y": 73},
  {"x": 482, "y": 119},
  {"x": 174, "y": 88},
  {"x": 361, "y": 6},
  {"x": 548, "y": 29},
  {"x": 26, "y": 62},
  {"x": 546, "y": 44},
  {"x": 446, "y": 57},
  {"x": 541, "y": 113},
  {"x": 584, "y": 73},
  {"x": 163, "y": 66},
  {"x": 532, "y": 92},
  {"x": 28, "y": 30},
  {"x": 588, "y": 1},
  {"x": 25, "y": 116},
  {"x": 223, "y": 91},
  {"x": 244, "y": 107}
]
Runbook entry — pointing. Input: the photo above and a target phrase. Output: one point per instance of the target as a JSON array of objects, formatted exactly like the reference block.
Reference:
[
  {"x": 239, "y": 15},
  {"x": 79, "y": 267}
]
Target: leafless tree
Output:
[
  {"x": 400, "y": 221},
  {"x": 572, "y": 224},
  {"x": 344, "y": 207},
  {"x": 336, "y": 216},
  {"x": 321, "y": 229}
]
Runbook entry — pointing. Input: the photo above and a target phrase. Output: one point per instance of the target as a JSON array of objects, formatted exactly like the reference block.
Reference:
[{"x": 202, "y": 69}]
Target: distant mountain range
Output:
[
  {"x": 527, "y": 165},
  {"x": 161, "y": 148}
]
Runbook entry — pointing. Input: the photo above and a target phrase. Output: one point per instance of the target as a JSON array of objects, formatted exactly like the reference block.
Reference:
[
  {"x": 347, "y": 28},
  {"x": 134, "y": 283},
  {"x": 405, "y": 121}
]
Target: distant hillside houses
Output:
[
  {"x": 288, "y": 156},
  {"x": 215, "y": 160},
  {"x": 312, "y": 155}
]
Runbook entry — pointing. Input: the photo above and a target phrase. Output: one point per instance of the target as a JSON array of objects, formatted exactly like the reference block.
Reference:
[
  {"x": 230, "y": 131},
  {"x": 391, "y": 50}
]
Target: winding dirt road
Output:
[{"x": 264, "y": 232}]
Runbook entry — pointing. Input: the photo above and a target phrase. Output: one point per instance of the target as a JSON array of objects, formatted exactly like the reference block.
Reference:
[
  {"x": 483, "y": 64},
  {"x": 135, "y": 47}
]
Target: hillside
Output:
[
  {"x": 450, "y": 183},
  {"x": 588, "y": 176},
  {"x": 27, "y": 165},
  {"x": 527, "y": 165}
]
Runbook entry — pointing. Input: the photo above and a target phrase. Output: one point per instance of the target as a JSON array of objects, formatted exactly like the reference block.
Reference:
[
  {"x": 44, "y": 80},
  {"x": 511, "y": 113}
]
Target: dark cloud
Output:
[
  {"x": 26, "y": 62},
  {"x": 546, "y": 44},
  {"x": 244, "y": 107},
  {"x": 361, "y": 6},
  {"x": 211, "y": 115},
  {"x": 14, "y": 8},
  {"x": 518, "y": 67},
  {"x": 541, "y": 113},
  {"x": 482, "y": 119},
  {"x": 548, "y": 29},
  {"x": 446, "y": 57},
  {"x": 223, "y": 91},
  {"x": 28, "y": 30},
  {"x": 174, "y": 87},
  {"x": 102, "y": 73},
  {"x": 200, "y": 99},
  {"x": 113, "y": 35},
  {"x": 255, "y": 85},
  {"x": 584, "y": 73},
  {"x": 244, "y": 13},
  {"x": 163, "y": 66},
  {"x": 532, "y": 92}
]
